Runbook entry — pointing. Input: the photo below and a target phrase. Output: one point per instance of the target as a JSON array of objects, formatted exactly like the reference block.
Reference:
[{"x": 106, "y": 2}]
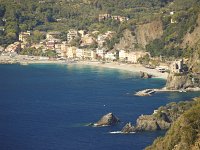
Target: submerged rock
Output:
[
  {"x": 145, "y": 75},
  {"x": 107, "y": 120}
]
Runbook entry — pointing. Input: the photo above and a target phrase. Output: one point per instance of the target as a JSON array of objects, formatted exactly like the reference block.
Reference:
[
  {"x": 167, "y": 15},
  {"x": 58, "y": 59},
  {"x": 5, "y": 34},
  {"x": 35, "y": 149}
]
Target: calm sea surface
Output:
[{"x": 46, "y": 107}]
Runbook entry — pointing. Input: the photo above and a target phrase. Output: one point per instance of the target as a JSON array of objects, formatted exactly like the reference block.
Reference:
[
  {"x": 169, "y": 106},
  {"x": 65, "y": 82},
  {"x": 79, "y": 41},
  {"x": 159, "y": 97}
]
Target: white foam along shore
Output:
[
  {"x": 24, "y": 60},
  {"x": 120, "y": 132}
]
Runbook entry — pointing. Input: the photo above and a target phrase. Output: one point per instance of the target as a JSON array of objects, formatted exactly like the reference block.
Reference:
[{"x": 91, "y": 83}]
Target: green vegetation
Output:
[
  {"x": 36, "y": 37},
  {"x": 45, "y": 15},
  {"x": 38, "y": 52},
  {"x": 184, "y": 133},
  {"x": 184, "y": 19},
  {"x": 144, "y": 60}
]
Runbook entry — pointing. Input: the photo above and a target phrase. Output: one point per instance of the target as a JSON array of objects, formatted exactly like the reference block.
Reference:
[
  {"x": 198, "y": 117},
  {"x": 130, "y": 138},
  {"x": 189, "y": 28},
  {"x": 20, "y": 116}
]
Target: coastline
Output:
[
  {"x": 25, "y": 60},
  {"x": 127, "y": 67}
]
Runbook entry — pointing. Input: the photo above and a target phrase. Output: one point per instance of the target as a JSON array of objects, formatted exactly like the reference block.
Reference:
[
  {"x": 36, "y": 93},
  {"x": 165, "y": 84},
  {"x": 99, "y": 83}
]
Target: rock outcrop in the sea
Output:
[
  {"x": 128, "y": 128},
  {"x": 161, "y": 119},
  {"x": 145, "y": 75},
  {"x": 107, "y": 120}
]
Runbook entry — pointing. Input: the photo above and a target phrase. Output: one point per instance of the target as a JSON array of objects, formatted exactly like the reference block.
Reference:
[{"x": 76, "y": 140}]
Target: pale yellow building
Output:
[
  {"x": 89, "y": 54},
  {"x": 24, "y": 35},
  {"x": 133, "y": 57},
  {"x": 71, "y": 52}
]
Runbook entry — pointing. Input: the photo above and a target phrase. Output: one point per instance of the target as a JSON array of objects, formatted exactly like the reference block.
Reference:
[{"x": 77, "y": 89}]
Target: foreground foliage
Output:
[{"x": 184, "y": 134}]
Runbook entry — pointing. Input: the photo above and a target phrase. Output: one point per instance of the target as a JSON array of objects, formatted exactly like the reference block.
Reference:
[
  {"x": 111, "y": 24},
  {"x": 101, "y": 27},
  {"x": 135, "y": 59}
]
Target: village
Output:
[
  {"x": 81, "y": 45},
  {"x": 90, "y": 48},
  {"x": 78, "y": 45}
]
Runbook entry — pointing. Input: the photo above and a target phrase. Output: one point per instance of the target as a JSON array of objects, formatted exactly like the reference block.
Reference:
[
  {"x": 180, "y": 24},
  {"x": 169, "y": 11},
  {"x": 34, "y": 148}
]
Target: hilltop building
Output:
[
  {"x": 23, "y": 36},
  {"x": 104, "y": 16},
  {"x": 107, "y": 16},
  {"x": 52, "y": 35},
  {"x": 72, "y": 34}
]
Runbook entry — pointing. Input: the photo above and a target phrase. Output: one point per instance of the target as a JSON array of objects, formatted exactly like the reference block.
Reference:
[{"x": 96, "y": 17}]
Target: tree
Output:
[{"x": 2, "y": 10}]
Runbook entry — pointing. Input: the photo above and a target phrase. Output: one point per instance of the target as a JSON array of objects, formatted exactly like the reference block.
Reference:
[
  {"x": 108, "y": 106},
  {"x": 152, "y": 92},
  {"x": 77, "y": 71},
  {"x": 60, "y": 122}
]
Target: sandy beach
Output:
[
  {"x": 127, "y": 67},
  {"x": 25, "y": 60}
]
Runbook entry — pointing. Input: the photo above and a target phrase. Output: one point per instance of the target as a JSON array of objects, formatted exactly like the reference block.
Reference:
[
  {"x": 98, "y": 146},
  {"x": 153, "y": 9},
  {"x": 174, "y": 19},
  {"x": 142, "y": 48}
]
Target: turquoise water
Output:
[{"x": 46, "y": 107}]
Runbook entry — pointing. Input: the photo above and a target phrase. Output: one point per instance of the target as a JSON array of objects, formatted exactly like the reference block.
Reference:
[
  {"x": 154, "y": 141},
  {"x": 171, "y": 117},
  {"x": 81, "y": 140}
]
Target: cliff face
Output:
[
  {"x": 127, "y": 42},
  {"x": 184, "y": 134},
  {"x": 151, "y": 123},
  {"x": 176, "y": 82},
  {"x": 148, "y": 32},
  {"x": 141, "y": 36},
  {"x": 192, "y": 38}
]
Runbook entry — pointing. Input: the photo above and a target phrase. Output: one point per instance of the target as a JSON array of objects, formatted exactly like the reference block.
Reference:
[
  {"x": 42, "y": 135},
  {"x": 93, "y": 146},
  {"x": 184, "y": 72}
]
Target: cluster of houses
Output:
[
  {"x": 109, "y": 16},
  {"x": 65, "y": 50}
]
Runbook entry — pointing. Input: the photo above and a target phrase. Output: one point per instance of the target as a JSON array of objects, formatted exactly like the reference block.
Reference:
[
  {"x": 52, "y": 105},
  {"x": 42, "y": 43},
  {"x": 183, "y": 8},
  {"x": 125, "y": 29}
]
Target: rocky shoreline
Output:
[{"x": 160, "y": 119}]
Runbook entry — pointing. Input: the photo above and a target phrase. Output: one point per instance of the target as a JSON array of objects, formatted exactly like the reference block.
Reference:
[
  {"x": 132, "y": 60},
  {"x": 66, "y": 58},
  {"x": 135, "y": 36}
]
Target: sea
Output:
[{"x": 48, "y": 107}]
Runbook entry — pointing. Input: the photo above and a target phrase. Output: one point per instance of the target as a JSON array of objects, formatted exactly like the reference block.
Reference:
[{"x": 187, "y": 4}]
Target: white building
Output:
[
  {"x": 111, "y": 55},
  {"x": 72, "y": 34},
  {"x": 80, "y": 53},
  {"x": 82, "y": 32},
  {"x": 171, "y": 12},
  {"x": 123, "y": 55},
  {"x": 100, "y": 52}
]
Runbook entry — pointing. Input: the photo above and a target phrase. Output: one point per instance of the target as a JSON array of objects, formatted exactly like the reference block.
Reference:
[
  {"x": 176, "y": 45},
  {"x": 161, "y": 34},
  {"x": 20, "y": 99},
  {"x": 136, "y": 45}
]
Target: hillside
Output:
[
  {"x": 183, "y": 134},
  {"x": 46, "y": 15}
]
